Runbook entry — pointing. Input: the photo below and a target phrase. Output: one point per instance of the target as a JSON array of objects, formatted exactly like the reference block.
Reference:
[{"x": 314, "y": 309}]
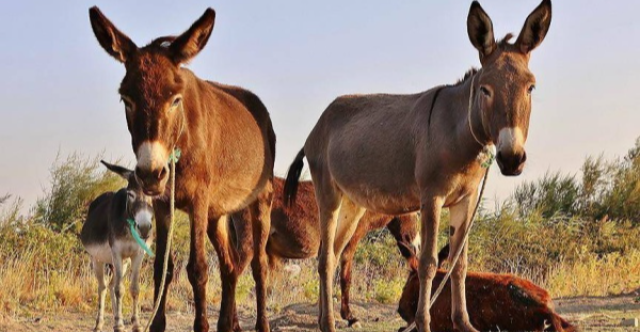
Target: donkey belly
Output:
[
  {"x": 383, "y": 201},
  {"x": 101, "y": 252},
  {"x": 374, "y": 174}
]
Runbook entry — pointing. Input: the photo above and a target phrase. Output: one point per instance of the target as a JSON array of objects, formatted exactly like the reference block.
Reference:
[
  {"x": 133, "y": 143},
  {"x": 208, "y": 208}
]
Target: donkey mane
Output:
[
  {"x": 472, "y": 71},
  {"x": 505, "y": 40}
]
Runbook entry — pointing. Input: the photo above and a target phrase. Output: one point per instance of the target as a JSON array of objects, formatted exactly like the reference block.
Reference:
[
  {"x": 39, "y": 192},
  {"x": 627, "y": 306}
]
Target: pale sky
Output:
[{"x": 59, "y": 88}]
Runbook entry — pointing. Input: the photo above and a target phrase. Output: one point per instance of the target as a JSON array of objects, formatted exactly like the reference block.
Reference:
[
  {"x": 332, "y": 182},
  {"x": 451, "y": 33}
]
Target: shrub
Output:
[{"x": 74, "y": 183}]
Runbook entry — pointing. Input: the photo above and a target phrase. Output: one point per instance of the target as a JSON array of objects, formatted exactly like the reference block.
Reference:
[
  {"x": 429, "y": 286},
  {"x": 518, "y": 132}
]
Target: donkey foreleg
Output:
[
  {"x": 161, "y": 211},
  {"x": 460, "y": 215},
  {"x": 219, "y": 235},
  {"x": 197, "y": 268},
  {"x": 98, "y": 269},
  {"x": 134, "y": 288},
  {"x": 430, "y": 217},
  {"x": 119, "y": 268}
]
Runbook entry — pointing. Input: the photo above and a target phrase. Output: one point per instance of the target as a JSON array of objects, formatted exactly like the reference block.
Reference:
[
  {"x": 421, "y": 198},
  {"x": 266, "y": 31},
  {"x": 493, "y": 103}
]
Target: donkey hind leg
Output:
[
  {"x": 98, "y": 269},
  {"x": 197, "y": 267},
  {"x": 460, "y": 215},
  {"x": 117, "y": 290},
  {"x": 430, "y": 214},
  {"x": 242, "y": 238},
  {"x": 218, "y": 232},
  {"x": 161, "y": 211},
  {"x": 134, "y": 289},
  {"x": 346, "y": 261},
  {"x": 328, "y": 198},
  {"x": 261, "y": 225}
]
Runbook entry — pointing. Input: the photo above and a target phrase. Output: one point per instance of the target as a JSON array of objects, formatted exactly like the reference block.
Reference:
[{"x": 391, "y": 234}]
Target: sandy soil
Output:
[{"x": 591, "y": 314}]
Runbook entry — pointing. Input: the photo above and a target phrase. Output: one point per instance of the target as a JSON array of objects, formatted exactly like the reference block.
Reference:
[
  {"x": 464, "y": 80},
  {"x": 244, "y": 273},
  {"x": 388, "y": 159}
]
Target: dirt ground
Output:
[{"x": 591, "y": 314}]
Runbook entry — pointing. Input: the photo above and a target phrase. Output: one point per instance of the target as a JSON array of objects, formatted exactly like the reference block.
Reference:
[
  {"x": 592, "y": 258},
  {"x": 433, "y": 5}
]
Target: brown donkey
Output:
[
  {"x": 295, "y": 234},
  {"x": 497, "y": 302},
  {"x": 402, "y": 153},
  {"x": 228, "y": 150}
]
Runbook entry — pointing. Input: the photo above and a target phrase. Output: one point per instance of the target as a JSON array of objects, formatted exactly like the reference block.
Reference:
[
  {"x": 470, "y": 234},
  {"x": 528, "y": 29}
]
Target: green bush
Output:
[
  {"x": 388, "y": 291},
  {"x": 74, "y": 183}
]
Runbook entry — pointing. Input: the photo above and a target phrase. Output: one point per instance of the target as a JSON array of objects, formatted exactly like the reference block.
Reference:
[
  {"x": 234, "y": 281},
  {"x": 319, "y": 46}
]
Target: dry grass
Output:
[
  {"x": 612, "y": 274},
  {"x": 38, "y": 278},
  {"x": 41, "y": 275}
]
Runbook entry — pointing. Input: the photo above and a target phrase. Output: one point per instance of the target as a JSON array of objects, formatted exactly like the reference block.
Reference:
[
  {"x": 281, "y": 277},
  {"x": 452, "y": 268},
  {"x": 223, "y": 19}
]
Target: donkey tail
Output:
[{"x": 293, "y": 178}]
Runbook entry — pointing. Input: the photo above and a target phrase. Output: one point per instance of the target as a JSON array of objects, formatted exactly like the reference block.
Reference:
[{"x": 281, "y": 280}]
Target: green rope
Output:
[{"x": 136, "y": 236}]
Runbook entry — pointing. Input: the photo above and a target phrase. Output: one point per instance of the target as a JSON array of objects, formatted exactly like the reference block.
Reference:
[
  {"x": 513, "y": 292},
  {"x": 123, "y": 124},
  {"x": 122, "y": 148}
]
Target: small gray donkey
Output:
[{"x": 107, "y": 236}]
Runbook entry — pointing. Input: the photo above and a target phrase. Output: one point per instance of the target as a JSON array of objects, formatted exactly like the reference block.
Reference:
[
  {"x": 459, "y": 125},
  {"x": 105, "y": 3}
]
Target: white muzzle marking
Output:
[
  {"x": 152, "y": 155},
  {"x": 510, "y": 139},
  {"x": 143, "y": 218}
]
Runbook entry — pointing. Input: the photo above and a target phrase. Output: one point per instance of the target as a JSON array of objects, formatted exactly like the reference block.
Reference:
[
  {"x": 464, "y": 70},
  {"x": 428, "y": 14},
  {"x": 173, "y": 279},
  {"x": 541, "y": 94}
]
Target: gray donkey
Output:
[{"x": 107, "y": 236}]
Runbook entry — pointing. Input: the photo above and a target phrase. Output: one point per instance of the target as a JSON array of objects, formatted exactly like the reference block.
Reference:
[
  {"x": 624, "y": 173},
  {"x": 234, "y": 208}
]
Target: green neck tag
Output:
[{"x": 175, "y": 155}]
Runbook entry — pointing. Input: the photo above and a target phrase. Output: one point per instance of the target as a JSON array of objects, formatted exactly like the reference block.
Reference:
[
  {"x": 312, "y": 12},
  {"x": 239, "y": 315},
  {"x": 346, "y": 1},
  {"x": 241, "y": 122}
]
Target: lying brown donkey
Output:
[
  {"x": 295, "y": 234},
  {"x": 496, "y": 302}
]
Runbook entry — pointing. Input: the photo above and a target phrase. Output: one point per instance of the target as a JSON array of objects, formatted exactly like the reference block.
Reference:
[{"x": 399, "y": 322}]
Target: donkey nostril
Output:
[
  {"x": 144, "y": 231},
  {"x": 523, "y": 158},
  {"x": 162, "y": 173},
  {"x": 140, "y": 174}
]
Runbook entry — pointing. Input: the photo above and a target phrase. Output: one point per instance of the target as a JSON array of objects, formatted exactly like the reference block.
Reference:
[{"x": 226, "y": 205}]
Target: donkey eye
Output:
[
  {"x": 485, "y": 91},
  {"x": 176, "y": 102},
  {"x": 131, "y": 195},
  {"x": 127, "y": 104},
  {"x": 531, "y": 88}
]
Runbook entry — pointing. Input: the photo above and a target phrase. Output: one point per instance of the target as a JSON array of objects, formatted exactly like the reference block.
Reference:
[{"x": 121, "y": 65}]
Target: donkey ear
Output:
[
  {"x": 191, "y": 42},
  {"x": 116, "y": 43},
  {"x": 123, "y": 172},
  {"x": 480, "y": 30},
  {"x": 535, "y": 28}
]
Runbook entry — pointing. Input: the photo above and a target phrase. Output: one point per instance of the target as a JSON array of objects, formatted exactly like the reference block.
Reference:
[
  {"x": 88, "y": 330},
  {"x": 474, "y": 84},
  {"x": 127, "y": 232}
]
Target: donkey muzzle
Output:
[
  {"x": 152, "y": 171},
  {"x": 511, "y": 164},
  {"x": 144, "y": 230},
  {"x": 511, "y": 153},
  {"x": 154, "y": 181}
]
